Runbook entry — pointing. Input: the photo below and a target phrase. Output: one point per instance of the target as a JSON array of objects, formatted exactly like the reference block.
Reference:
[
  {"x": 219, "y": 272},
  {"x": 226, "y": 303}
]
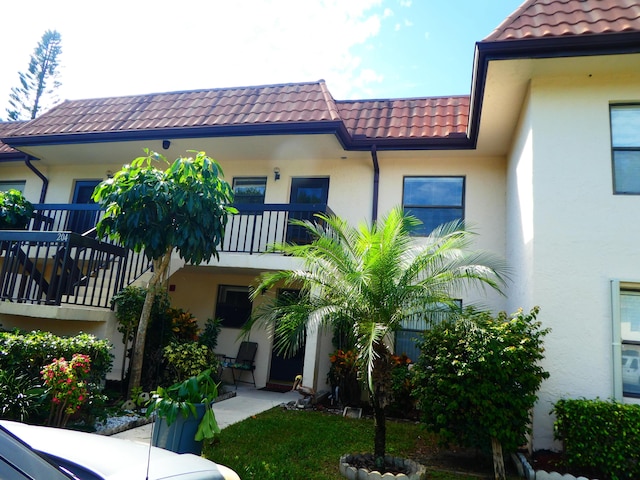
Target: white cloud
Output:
[{"x": 125, "y": 47}]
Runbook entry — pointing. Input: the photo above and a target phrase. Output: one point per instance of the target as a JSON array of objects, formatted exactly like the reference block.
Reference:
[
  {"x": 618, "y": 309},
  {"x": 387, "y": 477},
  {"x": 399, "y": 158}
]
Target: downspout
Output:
[
  {"x": 45, "y": 181},
  {"x": 376, "y": 183}
]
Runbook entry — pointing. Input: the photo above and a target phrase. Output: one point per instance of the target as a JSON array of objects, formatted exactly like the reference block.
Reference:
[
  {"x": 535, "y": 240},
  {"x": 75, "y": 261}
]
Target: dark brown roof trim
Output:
[
  {"x": 301, "y": 128},
  {"x": 13, "y": 157},
  {"x": 458, "y": 141},
  {"x": 338, "y": 128},
  {"x": 552, "y": 47}
]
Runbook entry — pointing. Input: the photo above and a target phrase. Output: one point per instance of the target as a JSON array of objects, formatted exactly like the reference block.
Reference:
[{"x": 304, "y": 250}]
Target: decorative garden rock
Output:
[{"x": 414, "y": 471}]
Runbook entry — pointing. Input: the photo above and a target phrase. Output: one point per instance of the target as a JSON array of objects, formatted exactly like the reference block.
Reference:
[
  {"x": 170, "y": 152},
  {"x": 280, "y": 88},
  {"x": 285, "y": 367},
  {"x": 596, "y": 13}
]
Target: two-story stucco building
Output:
[{"x": 542, "y": 159}]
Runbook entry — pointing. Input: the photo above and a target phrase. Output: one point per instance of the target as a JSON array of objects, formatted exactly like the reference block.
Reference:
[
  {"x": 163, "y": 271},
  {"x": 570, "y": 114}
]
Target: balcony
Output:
[
  {"x": 57, "y": 260},
  {"x": 257, "y": 227}
]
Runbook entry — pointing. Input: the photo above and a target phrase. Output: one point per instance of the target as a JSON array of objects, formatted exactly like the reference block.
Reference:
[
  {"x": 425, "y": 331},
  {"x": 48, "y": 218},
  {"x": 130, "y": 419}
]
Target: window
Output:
[
  {"x": 433, "y": 200},
  {"x": 630, "y": 336},
  {"x": 5, "y": 186},
  {"x": 233, "y": 306},
  {"x": 412, "y": 328},
  {"x": 249, "y": 189},
  {"x": 625, "y": 144}
]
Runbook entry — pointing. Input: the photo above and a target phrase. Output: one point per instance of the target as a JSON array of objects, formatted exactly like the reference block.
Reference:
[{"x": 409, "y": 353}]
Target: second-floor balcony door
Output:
[
  {"x": 80, "y": 221},
  {"x": 308, "y": 191}
]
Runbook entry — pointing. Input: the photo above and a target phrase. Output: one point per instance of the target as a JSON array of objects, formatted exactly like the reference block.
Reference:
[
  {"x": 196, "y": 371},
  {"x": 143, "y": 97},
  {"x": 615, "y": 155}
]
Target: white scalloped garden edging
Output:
[
  {"x": 526, "y": 472},
  {"x": 416, "y": 471}
]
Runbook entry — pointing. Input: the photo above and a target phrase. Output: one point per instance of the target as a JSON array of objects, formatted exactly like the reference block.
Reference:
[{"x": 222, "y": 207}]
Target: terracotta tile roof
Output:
[
  {"x": 6, "y": 129},
  {"x": 300, "y": 102},
  {"x": 556, "y": 18},
  {"x": 411, "y": 118},
  {"x": 285, "y": 104}
]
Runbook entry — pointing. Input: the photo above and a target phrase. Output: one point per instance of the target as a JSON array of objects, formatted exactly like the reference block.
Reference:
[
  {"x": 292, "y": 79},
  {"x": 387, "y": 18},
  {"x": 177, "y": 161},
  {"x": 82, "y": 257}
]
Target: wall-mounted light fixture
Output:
[
  {"x": 166, "y": 144},
  {"x": 276, "y": 173}
]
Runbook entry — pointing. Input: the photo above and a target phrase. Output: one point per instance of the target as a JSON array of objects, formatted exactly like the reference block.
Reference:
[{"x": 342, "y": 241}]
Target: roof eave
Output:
[
  {"x": 292, "y": 128},
  {"x": 551, "y": 47},
  {"x": 452, "y": 142},
  {"x": 13, "y": 157},
  {"x": 337, "y": 128}
]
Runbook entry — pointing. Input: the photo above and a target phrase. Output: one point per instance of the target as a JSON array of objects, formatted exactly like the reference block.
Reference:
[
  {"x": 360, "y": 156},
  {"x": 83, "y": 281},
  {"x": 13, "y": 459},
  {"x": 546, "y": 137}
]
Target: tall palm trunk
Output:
[
  {"x": 380, "y": 429},
  {"x": 381, "y": 380}
]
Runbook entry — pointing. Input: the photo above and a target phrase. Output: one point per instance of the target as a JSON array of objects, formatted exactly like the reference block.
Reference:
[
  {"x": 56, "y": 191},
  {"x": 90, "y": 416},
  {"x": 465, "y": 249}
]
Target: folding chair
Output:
[{"x": 243, "y": 362}]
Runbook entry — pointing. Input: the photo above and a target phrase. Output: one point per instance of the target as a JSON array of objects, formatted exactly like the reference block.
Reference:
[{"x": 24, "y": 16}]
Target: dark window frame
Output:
[
  {"x": 232, "y": 314},
  {"x": 425, "y": 231},
  {"x": 619, "y": 151},
  {"x": 12, "y": 184},
  {"x": 254, "y": 199}
]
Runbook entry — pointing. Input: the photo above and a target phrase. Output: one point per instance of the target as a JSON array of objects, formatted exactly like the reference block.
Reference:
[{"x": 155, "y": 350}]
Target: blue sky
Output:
[{"x": 362, "y": 48}]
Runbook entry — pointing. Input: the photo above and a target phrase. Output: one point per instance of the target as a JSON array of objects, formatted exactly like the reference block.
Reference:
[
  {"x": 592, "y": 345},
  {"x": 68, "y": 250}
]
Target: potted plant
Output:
[
  {"x": 15, "y": 210},
  {"x": 192, "y": 399}
]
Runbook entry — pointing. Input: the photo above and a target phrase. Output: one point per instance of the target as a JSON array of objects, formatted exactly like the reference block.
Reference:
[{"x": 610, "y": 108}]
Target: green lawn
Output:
[{"x": 294, "y": 445}]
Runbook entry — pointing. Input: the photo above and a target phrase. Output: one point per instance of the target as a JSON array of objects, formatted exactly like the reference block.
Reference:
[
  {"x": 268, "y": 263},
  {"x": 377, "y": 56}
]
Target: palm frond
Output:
[{"x": 372, "y": 278}]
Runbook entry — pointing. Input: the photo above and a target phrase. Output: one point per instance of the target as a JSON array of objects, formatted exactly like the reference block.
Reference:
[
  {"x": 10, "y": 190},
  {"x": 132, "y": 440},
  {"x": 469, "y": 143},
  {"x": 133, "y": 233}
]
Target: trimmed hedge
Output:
[
  {"x": 28, "y": 353},
  {"x": 604, "y": 435}
]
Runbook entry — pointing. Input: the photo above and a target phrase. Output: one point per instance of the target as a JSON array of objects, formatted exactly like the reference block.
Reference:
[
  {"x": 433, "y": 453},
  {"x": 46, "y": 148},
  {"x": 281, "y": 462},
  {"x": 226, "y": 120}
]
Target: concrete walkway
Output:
[{"x": 247, "y": 402}]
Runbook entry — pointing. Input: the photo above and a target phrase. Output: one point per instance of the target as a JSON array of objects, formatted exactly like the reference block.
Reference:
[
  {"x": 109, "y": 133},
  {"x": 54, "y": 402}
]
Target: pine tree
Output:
[{"x": 39, "y": 81}]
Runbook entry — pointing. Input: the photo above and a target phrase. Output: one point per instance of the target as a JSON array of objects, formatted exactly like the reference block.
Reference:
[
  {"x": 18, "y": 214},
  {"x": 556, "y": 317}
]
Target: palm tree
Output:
[{"x": 371, "y": 277}]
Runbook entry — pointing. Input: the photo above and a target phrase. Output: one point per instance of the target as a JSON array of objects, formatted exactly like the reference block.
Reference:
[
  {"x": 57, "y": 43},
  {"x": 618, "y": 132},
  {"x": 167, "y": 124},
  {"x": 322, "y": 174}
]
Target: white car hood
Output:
[{"x": 117, "y": 459}]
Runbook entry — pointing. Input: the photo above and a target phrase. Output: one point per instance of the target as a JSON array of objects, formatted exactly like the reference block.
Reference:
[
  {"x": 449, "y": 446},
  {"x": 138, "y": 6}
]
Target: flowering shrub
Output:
[
  {"x": 343, "y": 377},
  {"x": 27, "y": 352},
  {"x": 67, "y": 386}
]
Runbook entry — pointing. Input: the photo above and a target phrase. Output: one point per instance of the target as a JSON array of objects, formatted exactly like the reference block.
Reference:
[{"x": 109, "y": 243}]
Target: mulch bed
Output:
[
  {"x": 466, "y": 461},
  {"x": 555, "y": 462}
]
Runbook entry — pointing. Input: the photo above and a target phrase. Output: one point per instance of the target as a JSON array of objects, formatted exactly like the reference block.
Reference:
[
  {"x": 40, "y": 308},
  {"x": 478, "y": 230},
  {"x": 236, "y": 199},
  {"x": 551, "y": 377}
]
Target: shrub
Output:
[
  {"x": 20, "y": 396},
  {"x": 127, "y": 304},
  {"x": 209, "y": 336},
  {"x": 187, "y": 360},
  {"x": 477, "y": 379},
  {"x": 28, "y": 353},
  {"x": 402, "y": 403},
  {"x": 67, "y": 386},
  {"x": 15, "y": 210},
  {"x": 343, "y": 376},
  {"x": 184, "y": 326},
  {"x": 600, "y": 435}
]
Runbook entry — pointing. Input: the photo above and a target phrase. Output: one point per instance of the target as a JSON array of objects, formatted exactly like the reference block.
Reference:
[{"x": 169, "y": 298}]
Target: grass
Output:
[{"x": 291, "y": 445}]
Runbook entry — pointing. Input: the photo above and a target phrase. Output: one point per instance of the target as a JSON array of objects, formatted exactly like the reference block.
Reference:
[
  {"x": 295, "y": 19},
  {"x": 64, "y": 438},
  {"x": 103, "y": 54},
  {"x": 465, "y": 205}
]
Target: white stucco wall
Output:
[
  {"x": 569, "y": 236},
  {"x": 18, "y": 171},
  {"x": 484, "y": 200}
]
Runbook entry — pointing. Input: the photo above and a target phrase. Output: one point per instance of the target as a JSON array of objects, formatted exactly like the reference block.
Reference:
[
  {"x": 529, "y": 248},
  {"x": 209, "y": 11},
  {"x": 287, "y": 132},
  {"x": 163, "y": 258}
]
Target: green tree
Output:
[
  {"x": 39, "y": 81},
  {"x": 184, "y": 207},
  {"x": 371, "y": 278},
  {"x": 477, "y": 379}
]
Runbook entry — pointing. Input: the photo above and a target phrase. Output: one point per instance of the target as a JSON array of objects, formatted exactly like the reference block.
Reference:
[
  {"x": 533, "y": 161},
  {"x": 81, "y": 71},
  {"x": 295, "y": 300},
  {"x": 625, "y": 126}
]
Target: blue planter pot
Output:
[{"x": 179, "y": 436}]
